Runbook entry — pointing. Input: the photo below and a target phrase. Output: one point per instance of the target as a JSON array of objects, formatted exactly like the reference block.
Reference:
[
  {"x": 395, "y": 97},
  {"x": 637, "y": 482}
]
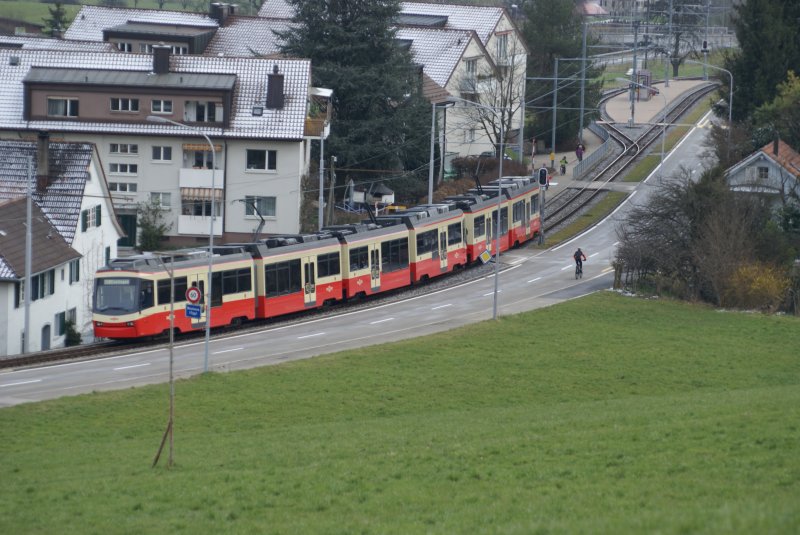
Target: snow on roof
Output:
[
  {"x": 278, "y": 9},
  {"x": 250, "y": 89},
  {"x": 49, "y": 43},
  {"x": 248, "y": 36},
  {"x": 90, "y": 22},
  {"x": 482, "y": 19},
  {"x": 438, "y": 50}
]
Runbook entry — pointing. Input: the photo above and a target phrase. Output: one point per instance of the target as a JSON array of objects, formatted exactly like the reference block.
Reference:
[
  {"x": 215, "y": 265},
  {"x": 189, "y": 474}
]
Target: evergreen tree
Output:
[
  {"x": 57, "y": 21},
  {"x": 769, "y": 48},
  {"x": 553, "y": 28},
  {"x": 381, "y": 121}
]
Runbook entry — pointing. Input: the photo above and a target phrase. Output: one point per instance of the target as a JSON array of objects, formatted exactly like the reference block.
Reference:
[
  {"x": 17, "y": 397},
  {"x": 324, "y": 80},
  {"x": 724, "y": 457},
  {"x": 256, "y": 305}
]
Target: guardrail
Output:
[{"x": 592, "y": 159}]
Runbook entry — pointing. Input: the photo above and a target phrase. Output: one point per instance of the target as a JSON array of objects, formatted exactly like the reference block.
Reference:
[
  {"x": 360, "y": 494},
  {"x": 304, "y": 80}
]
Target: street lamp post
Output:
[
  {"x": 434, "y": 105},
  {"x": 494, "y": 110},
  {"x": 663, "y": 117},
  {"x": 730, "y": 95},
  {"x": 159, "y": 119}
]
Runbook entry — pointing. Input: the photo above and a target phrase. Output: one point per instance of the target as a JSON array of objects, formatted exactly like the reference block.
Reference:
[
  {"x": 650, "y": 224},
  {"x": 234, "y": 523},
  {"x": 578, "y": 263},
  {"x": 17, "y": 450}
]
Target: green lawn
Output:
[{"x": 607, "y": 414}]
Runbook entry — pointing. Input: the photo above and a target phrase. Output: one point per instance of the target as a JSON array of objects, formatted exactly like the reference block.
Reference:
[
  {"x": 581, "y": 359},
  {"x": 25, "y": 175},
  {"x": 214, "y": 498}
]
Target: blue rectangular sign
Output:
[{"x": 192, "y": 311}]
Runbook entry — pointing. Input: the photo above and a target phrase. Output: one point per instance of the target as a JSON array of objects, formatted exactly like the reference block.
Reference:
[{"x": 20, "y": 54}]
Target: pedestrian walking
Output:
[
  {"x": 579, "y": 150},
  {"x": 552, "y": 159}
]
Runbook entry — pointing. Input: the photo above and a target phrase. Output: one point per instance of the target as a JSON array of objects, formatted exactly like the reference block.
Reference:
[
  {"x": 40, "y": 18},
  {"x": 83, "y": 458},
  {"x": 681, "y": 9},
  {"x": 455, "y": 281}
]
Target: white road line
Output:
[
  {"x": 615, "y": 244},
  {"x": 309, "y": 336},
  {"x": 534, "y": 280},
  {"x": 492, "y": 293},
  {"x": 442, "y": 306},
  {"x": 132, "y": 366},
  {"x": 380, "y": 321},
  {"x": 22, "y": 383},
  {"x": 227, "y": 350},
  {"x": 595, "y": 254},
  {"x": 566, "y": 267}
]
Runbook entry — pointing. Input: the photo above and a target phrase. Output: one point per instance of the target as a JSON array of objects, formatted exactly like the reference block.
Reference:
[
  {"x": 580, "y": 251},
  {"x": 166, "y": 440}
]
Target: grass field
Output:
[{"x": 607, "y": 414}]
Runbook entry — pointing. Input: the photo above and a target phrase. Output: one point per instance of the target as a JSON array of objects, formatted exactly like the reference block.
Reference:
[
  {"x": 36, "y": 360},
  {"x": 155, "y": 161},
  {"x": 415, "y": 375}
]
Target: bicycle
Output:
[{"x": 578, "y": 271}]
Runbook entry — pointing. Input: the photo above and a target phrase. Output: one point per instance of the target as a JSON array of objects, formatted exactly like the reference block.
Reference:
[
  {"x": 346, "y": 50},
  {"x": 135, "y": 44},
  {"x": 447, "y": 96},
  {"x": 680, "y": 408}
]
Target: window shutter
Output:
[
  {"x": 84, "y": 220},
  {"x": 52, "y": 281},
  {"x": 35, "y": 288},
  {"x": 17, "y": 292},
  {"x": 97, "y": 214}
]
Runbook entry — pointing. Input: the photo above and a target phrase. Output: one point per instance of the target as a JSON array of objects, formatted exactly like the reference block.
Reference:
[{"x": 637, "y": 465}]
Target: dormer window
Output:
[
  {"x": 62, "y": 107},
  {"x": 125, "y": 104},
  {"x": 203, "y": 112},
  {"x": 125, "y": 47},
  {"x": 162, "y": 106}
]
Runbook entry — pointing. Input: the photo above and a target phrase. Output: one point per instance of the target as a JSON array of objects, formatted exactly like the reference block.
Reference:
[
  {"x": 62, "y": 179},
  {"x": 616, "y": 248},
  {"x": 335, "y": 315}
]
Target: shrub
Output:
[{"x": 756, "y": 286}]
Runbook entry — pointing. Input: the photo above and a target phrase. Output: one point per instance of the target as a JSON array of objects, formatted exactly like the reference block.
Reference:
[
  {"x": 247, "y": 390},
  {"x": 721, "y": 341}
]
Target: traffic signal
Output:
[{"x": 542, "y": 176}]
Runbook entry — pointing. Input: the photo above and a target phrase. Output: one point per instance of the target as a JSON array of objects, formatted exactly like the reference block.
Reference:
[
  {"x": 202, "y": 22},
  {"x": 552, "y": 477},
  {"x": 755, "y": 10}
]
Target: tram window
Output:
[
  {"x": 394, "y": 254},
  {"x": 426, "y": 242},
  {"x": 180, "y": 291},
  {"x": 358, "y": 258},
  {"x": 534, "y": 204},
  {"x": 216, "y": 289},
  {"x": 454, "y": 233},
  {"x": 519, "y": 211},
  {"x": 282, "y": 278},
  {"x": 328, "y": 264},
  {"x": 236, "y": 281},
  {"x": 480, "y": 226},
  {"x": 145, "y": 294}
]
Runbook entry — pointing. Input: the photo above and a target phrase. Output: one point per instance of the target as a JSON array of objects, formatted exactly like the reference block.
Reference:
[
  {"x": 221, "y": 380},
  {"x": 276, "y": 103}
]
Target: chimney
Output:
[
  {"x": 775, "y": 144},
  {"x": 42, "y": 162},
  {"x": 218, "y": 12},
  {"x": 161, "y": 59},
  {"x": 275, "y": 95}
]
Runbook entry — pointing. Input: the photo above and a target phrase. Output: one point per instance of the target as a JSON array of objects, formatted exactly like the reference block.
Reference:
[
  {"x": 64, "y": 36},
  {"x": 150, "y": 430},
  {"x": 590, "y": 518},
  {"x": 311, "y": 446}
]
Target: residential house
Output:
[
  {"x": 74, "y": 231},
  {"x": 253, "y": 111},
  {"x": 774, "y": 171}
]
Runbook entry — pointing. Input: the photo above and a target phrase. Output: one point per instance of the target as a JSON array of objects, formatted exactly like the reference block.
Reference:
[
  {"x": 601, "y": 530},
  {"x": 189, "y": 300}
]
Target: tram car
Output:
[
  {"x": 292, "y": 273},
  {"x": 132, "y": 295}
]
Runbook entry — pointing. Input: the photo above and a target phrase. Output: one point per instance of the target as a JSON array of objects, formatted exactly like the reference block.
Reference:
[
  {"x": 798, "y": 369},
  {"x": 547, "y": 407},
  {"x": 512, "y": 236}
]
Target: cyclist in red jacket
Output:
[{"x": 579, "y": 259}]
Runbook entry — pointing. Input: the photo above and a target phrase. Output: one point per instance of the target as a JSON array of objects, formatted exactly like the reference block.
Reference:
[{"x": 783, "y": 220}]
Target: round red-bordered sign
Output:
[{"x": 193, "y": 295}]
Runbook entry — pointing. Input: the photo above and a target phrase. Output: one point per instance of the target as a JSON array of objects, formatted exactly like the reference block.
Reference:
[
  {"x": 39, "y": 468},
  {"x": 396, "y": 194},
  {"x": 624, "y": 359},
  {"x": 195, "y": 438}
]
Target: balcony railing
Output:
[
  {"x": 198, "y": 225},
  {"x": 201, "y": 178}
]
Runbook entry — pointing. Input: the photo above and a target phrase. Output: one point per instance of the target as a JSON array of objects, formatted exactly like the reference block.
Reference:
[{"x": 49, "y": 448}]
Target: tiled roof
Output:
[
  {"x": 250, "y": 89},
  {"x": 48, "y": 248},
  {"x": 90, "y": 22},
  {"x": 482, "y": 19},
  {"x": 247, "y": 36},
  {"x": 69, "y": 167},
  {"x": 277, "y": 9},
  {"x": 46, "y": 43},
  {"x": 786, "y": 157},
  {"x": 438, "y": 50}
]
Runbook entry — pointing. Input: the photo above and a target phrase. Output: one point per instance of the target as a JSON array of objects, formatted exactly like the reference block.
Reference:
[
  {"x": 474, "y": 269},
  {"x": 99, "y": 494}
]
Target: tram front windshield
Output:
[{"x": 116, "y": 295}]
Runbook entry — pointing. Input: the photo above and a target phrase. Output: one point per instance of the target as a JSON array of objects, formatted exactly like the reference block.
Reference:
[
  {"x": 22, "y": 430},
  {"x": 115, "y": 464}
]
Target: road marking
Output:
[
  {"x": 492, "y": 293},
  {"x": 22, "y": 383},
  {"x": 131, "y": 366},
  {"x": 227, "y": 350},
  {"x": 595, "y": 254},
  {"x": 309, "y": 336},
  {"x": 566, "y": 267},
  {"x": 615, "y": 244},
  {"x": 442, "y": 306},
  {"x": 380, "y": 321},
  {"x": 534, "y": 280}
]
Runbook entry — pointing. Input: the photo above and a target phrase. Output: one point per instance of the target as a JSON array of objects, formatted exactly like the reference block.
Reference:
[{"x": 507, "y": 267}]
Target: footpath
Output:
[{"x": 618, "y": 109}]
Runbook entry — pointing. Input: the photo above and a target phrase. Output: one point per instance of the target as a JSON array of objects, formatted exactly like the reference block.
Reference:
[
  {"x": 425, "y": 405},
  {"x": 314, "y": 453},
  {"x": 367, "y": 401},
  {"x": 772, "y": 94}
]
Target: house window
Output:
[
  {"x": 145, "y": 48},
  {"x": 91, "y": 217},
  {"x": 264, "y": 205},
  {"x": 161, "y": 106},
  {"x": 43, "y": 285},
  {"x": 502, "y": 47},
  {"x": 180, "y": 50},
  {"x": 199, "y": 208},
  {"x": 469, "y": 135},
  {"x": 162, "y": 154},
  {"x": 124, "y": 148},
  {"x": 262, "y": 160},
  {"x": 60, "y": 323},
  {"x": 123, "y": 168},
  {"x": 202, "y": 159},
  {"x": 203, "y": 112},
  {"x": 125, "y": 187},
  {"x": 125, "y": 47},
  {"x": 125, "y": 104},
  {"x": 62, "y": 107},
  {"x": 763, "y": 173},
  {"x": 75, "y": 271},
  {"x": 161, "y": 199},
  {"x": 472, "y": 68}
]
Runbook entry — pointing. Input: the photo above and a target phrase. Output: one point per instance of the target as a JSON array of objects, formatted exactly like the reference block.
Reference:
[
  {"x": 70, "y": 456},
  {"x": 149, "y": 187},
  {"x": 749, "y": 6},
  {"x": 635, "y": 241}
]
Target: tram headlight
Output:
[
  {"x": 129, "y": 324},
  {"x": 98, "y": 323}
]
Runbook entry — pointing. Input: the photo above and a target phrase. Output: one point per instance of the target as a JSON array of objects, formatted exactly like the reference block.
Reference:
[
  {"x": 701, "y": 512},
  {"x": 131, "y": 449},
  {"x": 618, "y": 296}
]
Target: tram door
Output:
[
  {"x": 375, "y": 266},
  {"x": 309, "y": 281},
  {"x": 443, "y": 248},
  {"x": 527, "y": 217},
  {"x": 198, "y": 281}
]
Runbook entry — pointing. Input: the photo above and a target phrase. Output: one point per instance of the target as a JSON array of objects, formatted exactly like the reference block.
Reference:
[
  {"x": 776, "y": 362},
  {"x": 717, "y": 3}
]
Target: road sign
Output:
[
  {"x": 192, "y": 311},
  {"x": 485, "y": 256},
  {"x": 193, "y": 295}
]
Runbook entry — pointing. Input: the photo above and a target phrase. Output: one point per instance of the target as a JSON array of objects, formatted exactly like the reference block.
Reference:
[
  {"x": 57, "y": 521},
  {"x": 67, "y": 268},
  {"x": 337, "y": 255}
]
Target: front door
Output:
[
  {"x": 128, "y": 224},
  {"x": 45, "y": 337},
  {"x": 309, "y": 281},
  {"x": 375, "y": 267}
]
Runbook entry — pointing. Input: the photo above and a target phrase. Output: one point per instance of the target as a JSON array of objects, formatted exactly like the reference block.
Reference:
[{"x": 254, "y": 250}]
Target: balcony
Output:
[
  {"x": 198, "y": 225},
  {"x": 201, "y": 178}
]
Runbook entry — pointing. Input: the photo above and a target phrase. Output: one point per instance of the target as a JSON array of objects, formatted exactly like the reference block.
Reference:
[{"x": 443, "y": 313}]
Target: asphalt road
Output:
[{"x": 534, "y": 279}]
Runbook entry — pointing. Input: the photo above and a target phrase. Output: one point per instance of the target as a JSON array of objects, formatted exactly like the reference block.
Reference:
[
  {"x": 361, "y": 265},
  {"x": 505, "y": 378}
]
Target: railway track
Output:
[{"x": 570, "y": 202}]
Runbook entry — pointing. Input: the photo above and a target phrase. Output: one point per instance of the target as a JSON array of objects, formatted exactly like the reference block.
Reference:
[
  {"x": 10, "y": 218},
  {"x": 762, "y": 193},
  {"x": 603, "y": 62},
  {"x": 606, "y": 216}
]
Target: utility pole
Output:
[
  {"x": 583, "y": 82},
  {"x": 321, "y": 200},
  {"x": 555, "y": 108},
  {"x": 331, "y": 198},
  {"x": 634, "y": 77},
  {"x": 668, "y": 50},
  {"x": 28, "y": 261},
  {"x": 171, "y": 421}
]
